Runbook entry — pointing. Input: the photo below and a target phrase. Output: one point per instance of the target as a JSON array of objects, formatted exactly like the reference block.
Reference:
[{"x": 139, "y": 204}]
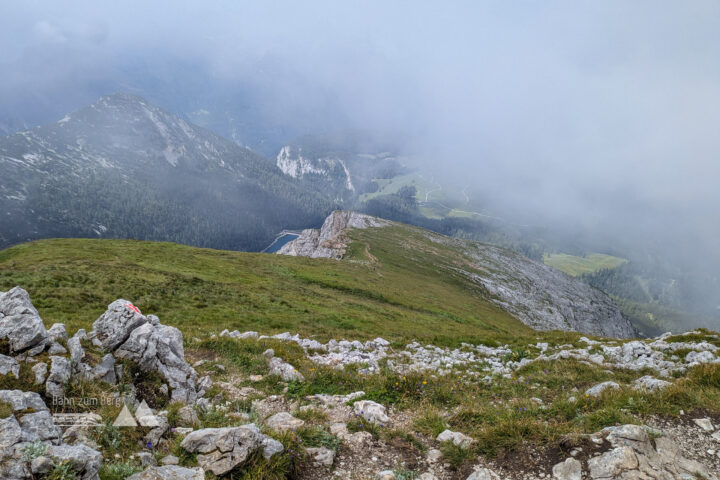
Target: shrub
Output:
[{"x": 118, "y": 471}]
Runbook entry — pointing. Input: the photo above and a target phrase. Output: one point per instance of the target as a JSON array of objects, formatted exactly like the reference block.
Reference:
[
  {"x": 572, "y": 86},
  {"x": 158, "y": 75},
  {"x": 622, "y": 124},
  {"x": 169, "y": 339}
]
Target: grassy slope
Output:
[
  {"x": 399, "y": 295},
  {"x": 576, "y": 266},
  {"x": 391, "y": 286}
]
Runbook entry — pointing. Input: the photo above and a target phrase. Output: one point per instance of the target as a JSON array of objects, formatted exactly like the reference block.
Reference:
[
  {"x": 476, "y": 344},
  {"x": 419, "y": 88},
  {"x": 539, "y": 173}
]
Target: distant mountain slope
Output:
[
  {"x": 538, "y": 295},
  {"x": 341, "y": 165},
  {"x": 125, "y": 168}
]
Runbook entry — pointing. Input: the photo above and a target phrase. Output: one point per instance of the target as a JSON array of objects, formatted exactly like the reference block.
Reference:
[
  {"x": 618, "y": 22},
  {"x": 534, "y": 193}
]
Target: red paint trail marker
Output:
[{"x": 133, "y": 307}]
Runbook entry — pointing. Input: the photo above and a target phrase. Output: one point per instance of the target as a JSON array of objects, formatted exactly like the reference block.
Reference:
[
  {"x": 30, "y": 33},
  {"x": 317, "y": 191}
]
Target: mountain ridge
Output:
[
  {"x": 538, "y": 295},
  {"x": 123, "y": 167}
]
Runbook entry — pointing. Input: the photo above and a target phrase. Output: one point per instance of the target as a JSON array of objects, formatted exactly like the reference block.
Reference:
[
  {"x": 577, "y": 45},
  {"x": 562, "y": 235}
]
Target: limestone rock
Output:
[
  {"x": 483, "y": 474},
  {"x": 650, "y": 383},
  {"x": 105, "y": 370},
  {"x": 221, "y": 449},
  {"x": 23, "y": 401},
  {"x": 85, "y": 460},
  {"x": 41, "y": 465},
  {"x": 283, "y": 369},
  {"x": 457, "y": 438},
  {"x": 427, "y": 476},
  {"x": 328, "y": 242},
  {"x": 77, "y": 353},
  {"x": 9, "y": 365},
  {"x": 371, "y": 411},
  {"x": 56, "y": 349},
  {"x": 271, "y": 447},
  {"x": 10, "y": 432},
  {"x": 20, "y": 323},
  {"x": 570, "y": 469},
  {"x": 187, "y": 417},
  {"x": 155, "y": 347},
  {"x": 169, "y": 460},
  {"x": 60, "y": 372},
  {"x": 39, "y": 426},
  {"x": 57, "y": 332},
  {"x": 147, "y": 459},
  {"x": 321, "y": 456},
  {"x": 597, "y": 390},
  {"x": 283, "y": 421},
  {"x": 704, "y": 423},
  {"x": 115, "y": 325},
  {"x": 169, "y": 472},
  {"x": 612, "y": 463}
]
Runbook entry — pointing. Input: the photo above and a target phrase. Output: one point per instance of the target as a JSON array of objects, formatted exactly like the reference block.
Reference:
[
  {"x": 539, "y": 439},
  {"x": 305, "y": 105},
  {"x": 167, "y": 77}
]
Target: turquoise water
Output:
[{"x": 279, "y": 242}]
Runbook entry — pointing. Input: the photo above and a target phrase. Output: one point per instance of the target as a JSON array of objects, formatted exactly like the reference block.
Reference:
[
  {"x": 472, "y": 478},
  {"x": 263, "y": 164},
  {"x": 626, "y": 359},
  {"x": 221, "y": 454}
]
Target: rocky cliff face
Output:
[
  {"x": 328, "y": 241},
  {"x": 542, "y": 297},
  {"x": 538, "y": 295}
]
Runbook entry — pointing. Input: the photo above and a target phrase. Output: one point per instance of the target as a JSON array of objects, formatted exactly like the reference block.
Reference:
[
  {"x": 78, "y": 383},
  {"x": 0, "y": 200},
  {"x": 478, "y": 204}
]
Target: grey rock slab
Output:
[
  {"x": 147, "y": 459},
  {"x": 221, "y": 449},
  {"x": 105, "y": 370},
  {"x": 57, "y": 332},
  {"x": 9, "y": 365},
  {"x": 114, "y": 326},
  {"x": 483, "y": 474},
  {"x": 20, "y": 322},
  {"x": 284, "y": 370},
  {"x": 60, "y": 373},
  {"x": 169, "y": 460},
  {"x": 651, "y": 384},
  {"x": 704, "y": 423},
  {"x": 457, "y": 438},
  {"x": 612, "y": 463},
  {"x": 169, "y": 472},
  {"x": 321, "y": 456},
  {"x": 271, "y": 447},
  {"x": 570, "y": 469},
  {"x": 86, "y": 461},
  {"x": 40, "y": 465},
  {"x": 23, "y": 401},
  {"x": 283, "y": 421},
  {"x": 39, "y": 426},
  {"x": 597, "y": 390},
  {"x": 56, "y": 349},
  {"x": 10, "y": 432},
  {"x": 159, "y": 348},
  {"x": 371, "y": 411}
]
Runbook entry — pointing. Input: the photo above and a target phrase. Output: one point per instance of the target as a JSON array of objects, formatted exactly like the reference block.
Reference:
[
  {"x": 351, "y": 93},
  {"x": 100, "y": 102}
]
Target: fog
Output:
[{"x": 595, "y": 118}]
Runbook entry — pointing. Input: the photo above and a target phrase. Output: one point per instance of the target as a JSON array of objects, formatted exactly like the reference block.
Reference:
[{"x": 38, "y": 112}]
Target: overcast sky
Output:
[{"x": 593, "y": 111}]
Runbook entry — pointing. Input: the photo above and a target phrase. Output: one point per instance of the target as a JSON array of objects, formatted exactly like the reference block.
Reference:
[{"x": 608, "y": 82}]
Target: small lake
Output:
[{"x": 280, "y": 241}]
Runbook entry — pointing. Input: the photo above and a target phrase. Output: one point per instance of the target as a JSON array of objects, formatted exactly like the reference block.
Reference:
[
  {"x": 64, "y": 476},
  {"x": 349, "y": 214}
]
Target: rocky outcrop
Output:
[
  {"x": 328, "y": 241},
  {"x": 169, "y": 472},
  {"x": 542, "y": 297},
  {"x": 219, "y": 450},
  {"x": 281, "y": 368},
  {"x": 371, "y": 411},
  {"x": 20, "y": 323},
  {"x": 283, "y": 421},
  {"x": 634, "y": 455},
  {"x": 31, "y": 426},
  {"x": 126, "y": 332}
]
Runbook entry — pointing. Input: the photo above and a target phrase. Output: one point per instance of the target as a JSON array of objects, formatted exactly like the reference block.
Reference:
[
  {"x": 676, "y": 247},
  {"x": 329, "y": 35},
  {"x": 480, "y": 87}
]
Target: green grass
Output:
[
  {"x": 388, "y": 186},
  {"x": 380, "y": 290},
  {"x": 577, "y": 266}
]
